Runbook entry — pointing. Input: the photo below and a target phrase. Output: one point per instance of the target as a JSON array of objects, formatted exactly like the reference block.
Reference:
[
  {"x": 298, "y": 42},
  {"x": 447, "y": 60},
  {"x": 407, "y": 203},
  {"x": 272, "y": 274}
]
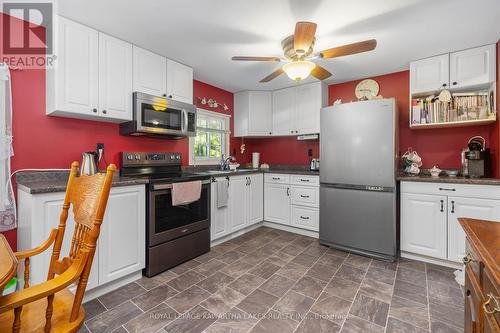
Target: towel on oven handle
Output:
[{"x": 186, "y": 192}]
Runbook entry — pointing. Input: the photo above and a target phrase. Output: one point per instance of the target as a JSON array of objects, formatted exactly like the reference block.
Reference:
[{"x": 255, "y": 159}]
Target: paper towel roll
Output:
[{"x": 255, "y": 160}]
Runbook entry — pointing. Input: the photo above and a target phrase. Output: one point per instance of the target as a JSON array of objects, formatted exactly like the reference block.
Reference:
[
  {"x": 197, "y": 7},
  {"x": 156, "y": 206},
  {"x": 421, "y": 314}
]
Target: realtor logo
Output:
[{"x": 27, "y": 33}]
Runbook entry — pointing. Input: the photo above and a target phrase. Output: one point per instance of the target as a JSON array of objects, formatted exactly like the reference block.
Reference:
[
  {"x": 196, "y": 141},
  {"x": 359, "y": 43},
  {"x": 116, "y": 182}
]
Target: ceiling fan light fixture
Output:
[{"x": 298, "y": 70}]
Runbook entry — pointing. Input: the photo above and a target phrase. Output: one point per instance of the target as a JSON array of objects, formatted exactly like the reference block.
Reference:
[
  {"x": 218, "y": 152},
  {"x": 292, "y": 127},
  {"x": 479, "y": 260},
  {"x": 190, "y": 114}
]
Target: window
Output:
[{"x": 211, "y": 140}]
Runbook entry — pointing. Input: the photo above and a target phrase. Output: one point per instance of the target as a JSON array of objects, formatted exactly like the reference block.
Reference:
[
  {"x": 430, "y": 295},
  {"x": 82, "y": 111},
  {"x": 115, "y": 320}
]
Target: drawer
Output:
[
  {"x": 277, "y": 178},
  {"x": 474, "y": 261},
  {"x": 456, "y": 190},
  {"x": 305, "y": 218},
  {"x": 305, "y": 196},
  {"x": 490, "y": 289},
  {"x": 305, "y": 180}
]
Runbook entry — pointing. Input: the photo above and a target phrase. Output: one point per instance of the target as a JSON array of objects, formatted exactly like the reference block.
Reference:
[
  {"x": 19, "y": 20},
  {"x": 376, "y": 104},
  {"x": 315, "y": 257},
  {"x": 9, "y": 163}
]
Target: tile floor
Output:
[{"x": 274, "y": 281}]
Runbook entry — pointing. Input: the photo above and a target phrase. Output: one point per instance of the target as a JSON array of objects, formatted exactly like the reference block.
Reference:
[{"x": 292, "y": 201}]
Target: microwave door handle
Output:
[{"x": 184, "y": 120}]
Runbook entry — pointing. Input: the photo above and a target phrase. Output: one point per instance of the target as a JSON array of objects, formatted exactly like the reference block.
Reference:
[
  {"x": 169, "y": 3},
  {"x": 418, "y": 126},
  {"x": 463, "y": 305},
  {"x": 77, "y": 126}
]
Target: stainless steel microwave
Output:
[{"x": 160, "y": 116}]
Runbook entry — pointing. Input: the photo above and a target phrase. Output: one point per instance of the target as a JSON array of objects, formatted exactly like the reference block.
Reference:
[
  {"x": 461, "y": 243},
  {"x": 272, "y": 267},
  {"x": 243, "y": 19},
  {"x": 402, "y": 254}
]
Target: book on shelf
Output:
[{"x": 462, "y": 107}]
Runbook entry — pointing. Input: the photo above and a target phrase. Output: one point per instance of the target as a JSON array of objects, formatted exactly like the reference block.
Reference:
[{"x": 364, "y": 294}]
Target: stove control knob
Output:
[
  {"x": 178, "y": 157},
  {"x": 172, "y": 157},
  {"x": 130, "y": 157},
  {"x": 137, "y": 157}
]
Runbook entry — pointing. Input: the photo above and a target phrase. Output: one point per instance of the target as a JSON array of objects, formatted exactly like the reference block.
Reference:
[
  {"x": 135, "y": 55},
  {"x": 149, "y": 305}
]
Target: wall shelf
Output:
[{"x": 463, "y": 123}]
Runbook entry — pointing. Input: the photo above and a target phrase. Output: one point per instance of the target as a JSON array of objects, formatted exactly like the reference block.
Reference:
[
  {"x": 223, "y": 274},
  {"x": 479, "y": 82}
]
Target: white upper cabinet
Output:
[
  {"x": 473, "y": 67},
  {"x": 179, "y": 82},
  {"x": 252, "y": 113},
  {"x": 308, "y": 103},
  {"x": 150, "y": 72},
  {"x": 429, "y": 74},
  {"x": 283, "y": 111},
  {"x": 72, "y": 86},
  {"x": 115, "y": 78}
]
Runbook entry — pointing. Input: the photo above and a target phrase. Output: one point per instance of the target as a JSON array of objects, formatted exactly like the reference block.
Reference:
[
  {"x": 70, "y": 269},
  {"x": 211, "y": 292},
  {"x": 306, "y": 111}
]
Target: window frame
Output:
[{"x": 226, "y": 133}]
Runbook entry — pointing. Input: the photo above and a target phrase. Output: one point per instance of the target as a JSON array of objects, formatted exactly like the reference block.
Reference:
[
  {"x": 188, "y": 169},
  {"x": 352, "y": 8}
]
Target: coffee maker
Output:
[{"x": 476, "y": 158}]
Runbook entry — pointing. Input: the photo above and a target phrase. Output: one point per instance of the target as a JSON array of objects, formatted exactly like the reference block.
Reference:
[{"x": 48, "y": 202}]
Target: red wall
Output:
[
  {"x": 41, "y": 141},
  {"x": 436, "y": 147}
]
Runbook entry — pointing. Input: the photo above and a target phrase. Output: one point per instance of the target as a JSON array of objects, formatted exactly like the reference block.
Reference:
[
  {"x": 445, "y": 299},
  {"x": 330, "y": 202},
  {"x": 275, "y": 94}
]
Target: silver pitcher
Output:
[{"x": 89, "y": 164}]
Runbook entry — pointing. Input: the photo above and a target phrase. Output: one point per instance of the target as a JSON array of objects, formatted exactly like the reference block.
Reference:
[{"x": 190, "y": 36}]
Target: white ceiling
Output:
[{"x": 205, "y": 34}]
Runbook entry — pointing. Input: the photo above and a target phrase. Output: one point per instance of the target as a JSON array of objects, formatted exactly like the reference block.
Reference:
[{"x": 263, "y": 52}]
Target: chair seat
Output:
[{"x": 33, "y": 315}]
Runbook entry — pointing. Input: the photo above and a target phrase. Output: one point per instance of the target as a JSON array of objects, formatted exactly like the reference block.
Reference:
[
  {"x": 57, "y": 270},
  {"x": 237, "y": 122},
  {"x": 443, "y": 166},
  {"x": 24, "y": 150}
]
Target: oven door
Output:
[{"x": 167, "y": 222}]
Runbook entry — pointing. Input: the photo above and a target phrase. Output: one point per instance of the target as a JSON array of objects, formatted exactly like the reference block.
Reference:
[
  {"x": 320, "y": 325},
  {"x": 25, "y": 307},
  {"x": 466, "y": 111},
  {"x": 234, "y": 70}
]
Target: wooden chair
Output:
[{"x": 50, "y": 306}]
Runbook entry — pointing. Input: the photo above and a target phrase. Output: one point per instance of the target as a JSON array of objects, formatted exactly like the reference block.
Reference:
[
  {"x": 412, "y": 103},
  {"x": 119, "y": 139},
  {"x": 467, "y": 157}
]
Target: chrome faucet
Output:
[{"x": 224, "y": 163}]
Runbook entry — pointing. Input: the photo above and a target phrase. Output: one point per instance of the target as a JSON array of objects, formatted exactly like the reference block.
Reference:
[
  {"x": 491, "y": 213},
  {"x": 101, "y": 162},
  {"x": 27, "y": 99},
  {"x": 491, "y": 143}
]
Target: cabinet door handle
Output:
[
  {"x": 447, "y": 189},
  {"x": 249, "y": 181},
  {"x": 288, "y": 191},
  {"x": 170, "y": 96},
  {"x": 304, "y": 217},
  {"x": 452, "y": 207},
  {"x": 304, "y": 196},
  {"x": 495, "y": 307},
  {"x": 442, "y": 205},
  {"x": 104, "y": 111},
  {"x": 94, "y": 110},
  {"x": 455, "y": 83}
]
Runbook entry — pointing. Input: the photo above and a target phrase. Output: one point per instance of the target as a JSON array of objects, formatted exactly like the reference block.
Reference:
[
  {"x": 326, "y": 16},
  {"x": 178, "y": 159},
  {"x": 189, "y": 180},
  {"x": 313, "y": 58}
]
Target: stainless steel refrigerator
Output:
[{"x": 358, "y": 194}]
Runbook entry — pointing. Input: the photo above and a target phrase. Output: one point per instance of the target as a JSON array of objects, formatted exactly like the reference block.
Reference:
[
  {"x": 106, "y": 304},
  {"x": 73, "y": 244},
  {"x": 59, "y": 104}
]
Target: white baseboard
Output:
[
  {"x": 294, "y": 230},
  {"x": 108, "y": 287},
  {"x": 234, "y": 234},
  {"x": 430, "y": 260}
]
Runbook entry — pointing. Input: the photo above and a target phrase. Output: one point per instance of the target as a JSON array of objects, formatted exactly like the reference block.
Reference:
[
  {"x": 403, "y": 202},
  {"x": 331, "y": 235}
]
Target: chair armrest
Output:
[
  {"x": 42, "y": 290},
  {"x": 37, "y": 250}
]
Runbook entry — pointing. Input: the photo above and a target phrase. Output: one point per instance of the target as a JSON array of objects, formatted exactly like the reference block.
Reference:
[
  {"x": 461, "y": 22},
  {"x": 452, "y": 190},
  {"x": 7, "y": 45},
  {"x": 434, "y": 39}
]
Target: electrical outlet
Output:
[{"x": 310, "y": 152}]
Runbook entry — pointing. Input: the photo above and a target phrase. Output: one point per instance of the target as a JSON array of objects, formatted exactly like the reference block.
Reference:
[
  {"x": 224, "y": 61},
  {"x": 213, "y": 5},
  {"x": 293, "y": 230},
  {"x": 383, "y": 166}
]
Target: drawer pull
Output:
[
  {"x": 467, "y": 259},
  {"x": 304, "y": 196},
  {"x": 276, "y": 178},
  {"x": 496, "y": 305},
  {"x": 447, "y": 189},
  {"x": 304, "y": 217},
  {"x": 304, "y": 180}
]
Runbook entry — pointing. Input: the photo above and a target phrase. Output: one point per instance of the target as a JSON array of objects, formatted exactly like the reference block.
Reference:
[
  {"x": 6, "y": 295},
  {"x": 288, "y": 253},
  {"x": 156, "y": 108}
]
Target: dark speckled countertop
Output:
[
  {"x": 55, "y": 181},
  {"x": 449, "y": 180}
]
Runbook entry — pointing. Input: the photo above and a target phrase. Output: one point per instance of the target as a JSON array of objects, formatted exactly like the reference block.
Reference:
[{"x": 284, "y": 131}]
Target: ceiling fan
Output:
[{"x": 298, "y": 51}]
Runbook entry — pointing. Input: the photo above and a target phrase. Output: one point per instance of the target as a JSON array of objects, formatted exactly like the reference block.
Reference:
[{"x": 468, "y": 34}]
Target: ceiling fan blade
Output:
[
  {"x": 303, "y": 36},
  {"x": 244, "y": 58},
  {"x": 273, "y": 75},
  {"x": 349, "y": 49},
  {"x": 320, "y": 73}
]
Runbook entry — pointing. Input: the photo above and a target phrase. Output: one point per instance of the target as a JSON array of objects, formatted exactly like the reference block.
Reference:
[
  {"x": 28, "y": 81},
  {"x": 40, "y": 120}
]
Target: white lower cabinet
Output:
[
  {"x": 289, "y": 204},
  {"x": 277, "y": 203},
  {"x": 121, "y": 245},
  {"x": 238, "y": 202},
  {"x": 245, "y": 206},
  {"x": 483, "y": 209},
  {"x": 430, "y": 212},
  {"x": 423, "y": 224}
]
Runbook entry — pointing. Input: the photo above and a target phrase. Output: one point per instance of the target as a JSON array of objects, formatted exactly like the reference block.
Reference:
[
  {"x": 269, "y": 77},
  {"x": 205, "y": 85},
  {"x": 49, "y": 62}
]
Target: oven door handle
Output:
[
  {"x": 184, "y": 120},
  {"x": 157, "y": 187}
]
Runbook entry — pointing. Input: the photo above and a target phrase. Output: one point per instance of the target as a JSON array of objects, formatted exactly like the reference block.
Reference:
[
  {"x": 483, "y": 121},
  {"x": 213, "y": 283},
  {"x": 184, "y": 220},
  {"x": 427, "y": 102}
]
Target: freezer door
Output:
[
  {"x": 358, "y": 143},
  {"x": 363, "y": 221}
]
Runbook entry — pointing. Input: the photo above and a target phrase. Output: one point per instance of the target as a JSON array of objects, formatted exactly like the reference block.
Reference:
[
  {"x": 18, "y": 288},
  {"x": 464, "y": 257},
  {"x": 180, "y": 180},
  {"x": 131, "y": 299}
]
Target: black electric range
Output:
[{"x": 174, "y": 234}]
